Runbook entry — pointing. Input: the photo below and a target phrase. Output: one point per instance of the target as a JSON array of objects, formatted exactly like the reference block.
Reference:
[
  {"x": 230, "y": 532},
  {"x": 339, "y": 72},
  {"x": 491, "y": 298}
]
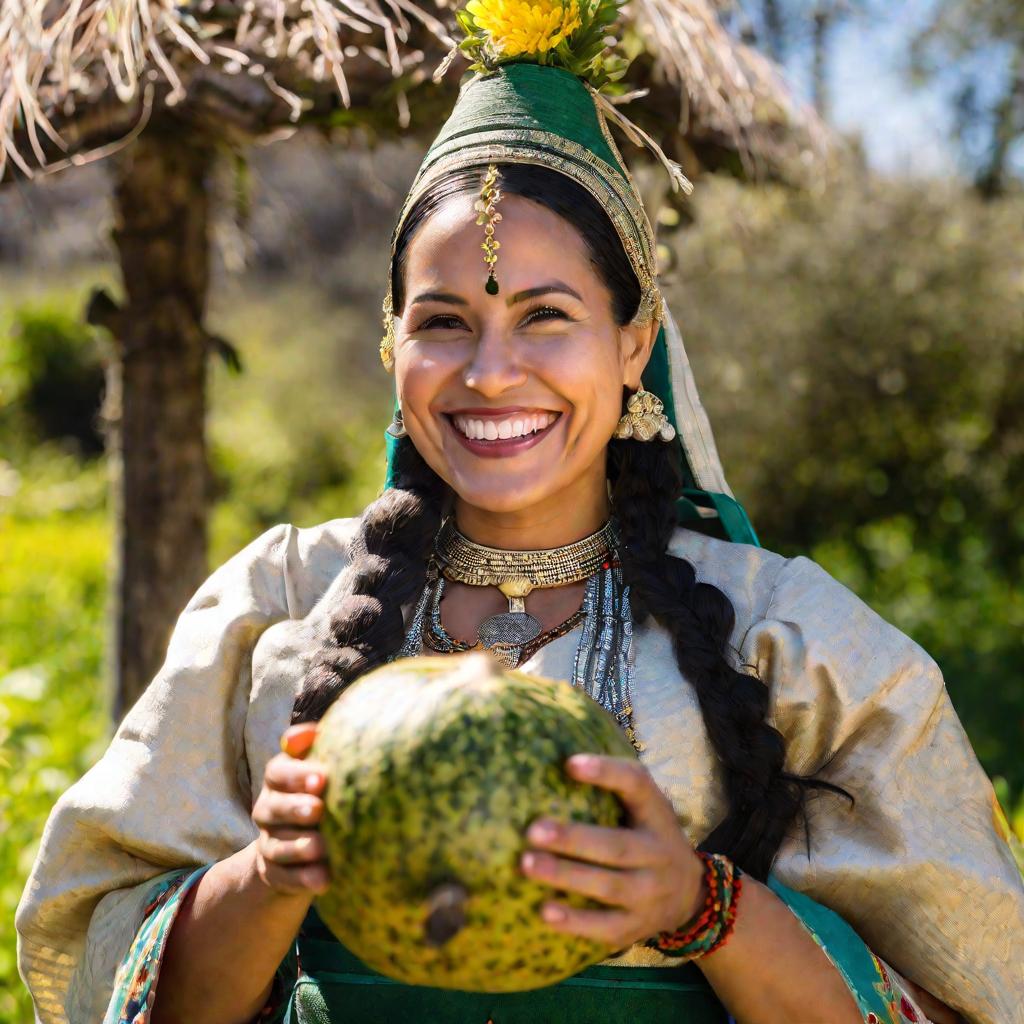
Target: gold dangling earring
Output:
[
  {"x": 396, "y": 428},
  {"x": 644, "y": 419},
  {"x": 387, "y": 342}
]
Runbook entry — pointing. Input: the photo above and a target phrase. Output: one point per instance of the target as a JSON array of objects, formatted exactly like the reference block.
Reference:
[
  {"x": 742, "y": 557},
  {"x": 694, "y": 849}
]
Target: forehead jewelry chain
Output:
[
  {"x": 516, "y": 574},
  {"x": 486, "y": 214}
]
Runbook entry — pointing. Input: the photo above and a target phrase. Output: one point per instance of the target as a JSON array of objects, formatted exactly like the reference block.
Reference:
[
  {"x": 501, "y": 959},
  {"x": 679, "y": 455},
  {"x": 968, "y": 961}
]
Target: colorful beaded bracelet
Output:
[{"x": 713, "y": 924}]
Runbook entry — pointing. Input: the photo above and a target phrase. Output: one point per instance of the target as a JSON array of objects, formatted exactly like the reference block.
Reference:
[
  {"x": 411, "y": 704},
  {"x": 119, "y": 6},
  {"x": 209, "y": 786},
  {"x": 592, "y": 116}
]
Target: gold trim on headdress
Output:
[{"x": 616, "y": 194}]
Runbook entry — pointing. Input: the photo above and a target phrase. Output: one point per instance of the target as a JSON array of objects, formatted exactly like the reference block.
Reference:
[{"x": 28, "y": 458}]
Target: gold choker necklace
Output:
[{"x": 516, "y": 574}]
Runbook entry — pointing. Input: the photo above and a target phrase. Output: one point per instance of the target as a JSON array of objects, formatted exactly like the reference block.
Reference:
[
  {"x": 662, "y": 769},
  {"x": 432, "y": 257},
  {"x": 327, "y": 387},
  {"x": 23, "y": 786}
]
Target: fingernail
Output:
[
  {"x": 541, "y": 833},
  {"x": 307, "y": 810},
  {"x": 312, "y": 781},
  {"x": 529, "y": 861},
  {"x": 553, "y": 914},
  {"x": 584, "y": 764},
  {"x": 304, "y": 843}
]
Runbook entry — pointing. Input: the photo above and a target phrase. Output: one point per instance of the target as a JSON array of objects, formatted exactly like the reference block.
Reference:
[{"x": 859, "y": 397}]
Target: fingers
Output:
[
  {"x": 274, "y": 809},
  {"x": 293, "y": 775},
  {"x": 297, "y": 739},
  {"x": 613, "y": 928},
  {"x": 613, "y": 847},
  {"x": 616, "y": 888},
  {"x": 648, "y": 807},
  {"x": 286, "y": 847},
  {"x": 290, "y": 852}
]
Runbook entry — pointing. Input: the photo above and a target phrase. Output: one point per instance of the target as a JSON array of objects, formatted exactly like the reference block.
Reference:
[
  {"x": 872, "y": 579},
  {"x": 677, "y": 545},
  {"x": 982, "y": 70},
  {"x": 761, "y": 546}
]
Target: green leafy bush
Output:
[
  {"x": 53, "y": 703},
  {"x": 861, "y": 354},
  {"x": 51, "y": 379}
]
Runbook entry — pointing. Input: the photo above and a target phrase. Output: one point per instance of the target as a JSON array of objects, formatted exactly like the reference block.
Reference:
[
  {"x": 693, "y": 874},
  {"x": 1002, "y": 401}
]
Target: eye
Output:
[
  {"x": 545, "y": 313},
  {"x": 442, "y": 321}
]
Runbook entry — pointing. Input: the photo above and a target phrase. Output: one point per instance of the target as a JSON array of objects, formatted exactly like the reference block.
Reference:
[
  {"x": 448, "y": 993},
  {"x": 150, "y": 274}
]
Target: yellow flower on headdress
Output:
[
  {"x": 516, "y": 27},
  {"x": 571, "y": 34}
]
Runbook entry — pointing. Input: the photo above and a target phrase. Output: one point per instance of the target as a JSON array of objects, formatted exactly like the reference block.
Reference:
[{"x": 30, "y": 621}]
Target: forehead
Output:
[{"x": 532, "y": 239}]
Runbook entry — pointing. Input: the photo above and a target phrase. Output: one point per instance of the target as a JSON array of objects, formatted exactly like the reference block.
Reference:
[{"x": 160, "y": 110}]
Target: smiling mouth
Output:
[
  {"x": 502, "y": 433},
  {"x": 505, "y": 428}
]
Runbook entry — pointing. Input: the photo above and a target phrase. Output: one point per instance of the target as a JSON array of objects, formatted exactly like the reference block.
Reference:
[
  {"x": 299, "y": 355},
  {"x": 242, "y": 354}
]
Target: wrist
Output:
[
  {"x": 711, "y": 927},
  {"x": 694, "y": 896}
]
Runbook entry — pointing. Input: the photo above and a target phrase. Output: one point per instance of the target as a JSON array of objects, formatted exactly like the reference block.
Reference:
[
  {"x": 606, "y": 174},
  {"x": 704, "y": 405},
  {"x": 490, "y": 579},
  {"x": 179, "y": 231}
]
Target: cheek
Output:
[
  {"x": 590, "y": 377},
  {"x": 418, "y": 381},
  {"x": 420, "y": 374}
]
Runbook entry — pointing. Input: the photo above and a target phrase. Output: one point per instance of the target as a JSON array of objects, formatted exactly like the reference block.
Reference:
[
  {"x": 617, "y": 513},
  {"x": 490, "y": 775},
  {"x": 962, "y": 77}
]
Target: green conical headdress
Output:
[{"x": 530, "y": 106}]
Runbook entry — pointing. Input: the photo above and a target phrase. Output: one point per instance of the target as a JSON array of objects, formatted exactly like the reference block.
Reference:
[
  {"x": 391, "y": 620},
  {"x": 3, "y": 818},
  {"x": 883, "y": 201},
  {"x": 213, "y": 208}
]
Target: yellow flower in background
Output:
[{"x": 516, "y": 27}]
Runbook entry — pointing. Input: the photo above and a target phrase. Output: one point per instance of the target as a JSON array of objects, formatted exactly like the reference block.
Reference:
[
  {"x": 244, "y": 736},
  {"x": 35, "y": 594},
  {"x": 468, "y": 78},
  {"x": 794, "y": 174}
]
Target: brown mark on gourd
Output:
[{"x": 446, "y": 912}]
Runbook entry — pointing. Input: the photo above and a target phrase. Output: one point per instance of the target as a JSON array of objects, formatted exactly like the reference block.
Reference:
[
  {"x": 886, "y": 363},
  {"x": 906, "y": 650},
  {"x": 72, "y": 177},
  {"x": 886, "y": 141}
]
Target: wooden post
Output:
[{"x": 156, "y": 399}]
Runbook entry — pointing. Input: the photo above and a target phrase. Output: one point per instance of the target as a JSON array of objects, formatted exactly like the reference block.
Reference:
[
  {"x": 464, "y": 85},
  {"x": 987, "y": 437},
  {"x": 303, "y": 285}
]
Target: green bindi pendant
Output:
[{"x": 492, "y": 285}]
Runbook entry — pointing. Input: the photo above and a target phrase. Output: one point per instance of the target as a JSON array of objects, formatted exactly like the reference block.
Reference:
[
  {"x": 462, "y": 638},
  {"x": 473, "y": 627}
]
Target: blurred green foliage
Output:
[
  {"x": 51, "y": 379},
  {"x": 299, "y": 436},
  {"x": 53, "y": 707},
  {"x": 861, "y": 354}
]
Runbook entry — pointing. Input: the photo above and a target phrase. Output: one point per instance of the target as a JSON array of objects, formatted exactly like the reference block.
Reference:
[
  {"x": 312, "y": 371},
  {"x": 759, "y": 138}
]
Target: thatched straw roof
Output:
[{"x": 80, "y": 77}]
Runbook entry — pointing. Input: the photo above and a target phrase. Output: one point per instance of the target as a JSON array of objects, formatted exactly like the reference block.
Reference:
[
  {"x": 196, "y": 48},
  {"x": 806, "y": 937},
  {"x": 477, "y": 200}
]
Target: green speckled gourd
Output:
[{"x": 435, "y": 769}]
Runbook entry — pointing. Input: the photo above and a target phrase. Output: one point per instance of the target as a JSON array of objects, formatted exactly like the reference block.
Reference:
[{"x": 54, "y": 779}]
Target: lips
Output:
[
  {"x": 502, "y": 428},
  {"x": 499, "y": 433}
]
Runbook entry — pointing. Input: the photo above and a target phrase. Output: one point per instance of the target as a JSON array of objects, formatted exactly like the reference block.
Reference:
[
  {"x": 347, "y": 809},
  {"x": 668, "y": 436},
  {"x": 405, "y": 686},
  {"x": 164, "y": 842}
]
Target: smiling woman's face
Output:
[{"x": 512, "y": 398}]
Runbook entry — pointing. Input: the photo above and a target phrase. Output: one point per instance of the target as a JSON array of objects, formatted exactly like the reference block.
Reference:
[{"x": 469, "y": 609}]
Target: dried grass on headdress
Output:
[{"x": 60, "y": 58}]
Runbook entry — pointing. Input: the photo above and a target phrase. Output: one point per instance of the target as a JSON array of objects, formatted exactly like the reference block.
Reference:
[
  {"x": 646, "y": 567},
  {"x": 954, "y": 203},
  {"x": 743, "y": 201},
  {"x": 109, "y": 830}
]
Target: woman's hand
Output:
[
  {"x": 647, "y": 872},
  {"x": 290, "y": 854}
]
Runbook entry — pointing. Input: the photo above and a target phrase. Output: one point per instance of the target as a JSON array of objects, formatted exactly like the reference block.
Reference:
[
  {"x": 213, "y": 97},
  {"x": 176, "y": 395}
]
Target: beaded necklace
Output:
[
  {"x": 517, "y": 574},
  {"x": 602, "y": 665}
]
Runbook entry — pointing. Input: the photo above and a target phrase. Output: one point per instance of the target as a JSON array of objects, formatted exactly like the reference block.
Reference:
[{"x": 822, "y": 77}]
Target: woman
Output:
[{"x": 779, "y": 722}]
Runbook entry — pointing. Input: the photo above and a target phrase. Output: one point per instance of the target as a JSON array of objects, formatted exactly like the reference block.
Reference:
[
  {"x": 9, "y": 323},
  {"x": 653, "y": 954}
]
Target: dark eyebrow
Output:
[
  {"x": 455, "y": 300},
  {"x": 544, "y": 289},
  {"x": 529, "y": 293}
]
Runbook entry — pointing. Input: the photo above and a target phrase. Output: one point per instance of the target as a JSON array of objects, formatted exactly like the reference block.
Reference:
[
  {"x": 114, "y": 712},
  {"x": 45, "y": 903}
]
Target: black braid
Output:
[
  {"x": 388, "y": 570},
  {"x": 764, "y": 799}
]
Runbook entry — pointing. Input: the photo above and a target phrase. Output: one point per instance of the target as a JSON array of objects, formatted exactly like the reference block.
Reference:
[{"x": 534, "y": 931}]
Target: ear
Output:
[{"x": 636, "y": 341}]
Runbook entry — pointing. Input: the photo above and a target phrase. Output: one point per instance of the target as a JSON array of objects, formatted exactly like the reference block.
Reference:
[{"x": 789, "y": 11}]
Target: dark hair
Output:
[{"x": 388, "y": 568}]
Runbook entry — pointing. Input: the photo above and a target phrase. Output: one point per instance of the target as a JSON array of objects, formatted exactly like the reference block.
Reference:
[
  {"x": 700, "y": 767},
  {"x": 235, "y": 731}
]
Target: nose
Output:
[{"x": 496, "y": 366}]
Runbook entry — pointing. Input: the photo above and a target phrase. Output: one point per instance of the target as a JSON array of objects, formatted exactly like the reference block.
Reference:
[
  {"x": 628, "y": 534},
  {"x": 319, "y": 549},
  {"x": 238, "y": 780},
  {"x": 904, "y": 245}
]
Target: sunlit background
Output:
[{"x": 859, "y": 347}]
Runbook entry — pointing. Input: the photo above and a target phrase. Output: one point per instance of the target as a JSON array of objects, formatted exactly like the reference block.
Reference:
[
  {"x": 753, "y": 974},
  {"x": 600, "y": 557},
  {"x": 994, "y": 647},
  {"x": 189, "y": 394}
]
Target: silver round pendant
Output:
[{"x": 508, "y": 629}]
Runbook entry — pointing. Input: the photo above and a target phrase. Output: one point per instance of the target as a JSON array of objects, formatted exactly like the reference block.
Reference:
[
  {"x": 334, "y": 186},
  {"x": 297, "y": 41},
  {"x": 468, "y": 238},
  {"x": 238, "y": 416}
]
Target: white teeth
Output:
[{"x": 492, "y": 430}]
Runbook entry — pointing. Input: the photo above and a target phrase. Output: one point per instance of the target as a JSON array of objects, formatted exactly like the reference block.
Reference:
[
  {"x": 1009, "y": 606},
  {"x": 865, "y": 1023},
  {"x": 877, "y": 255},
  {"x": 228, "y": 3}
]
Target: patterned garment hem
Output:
[{"x": 135, "y": 984}]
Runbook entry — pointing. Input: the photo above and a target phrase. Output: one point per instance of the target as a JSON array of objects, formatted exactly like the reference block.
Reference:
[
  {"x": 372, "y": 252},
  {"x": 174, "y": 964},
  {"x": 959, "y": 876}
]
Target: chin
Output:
[{"x": 507, "y": 494}]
